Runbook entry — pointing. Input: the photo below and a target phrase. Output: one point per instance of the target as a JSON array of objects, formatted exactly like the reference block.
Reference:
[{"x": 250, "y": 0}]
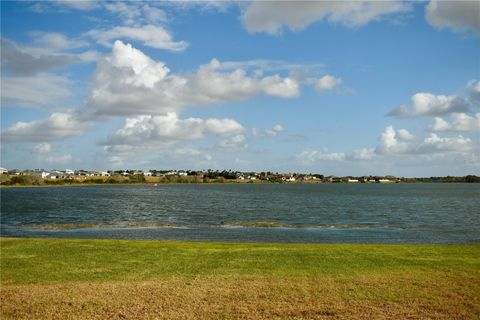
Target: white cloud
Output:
[
  {"x": 391, "y": 143},
  {"x": 327, "y": 82},
  {"x": 404, "y": 135},
  {"x": 82, "y": 5},
  {"x": 271, "y": 16},
  {"x": 39, "y": 90},
  {"x": 313, "y": 156},
  {"x": 58, "y": 126},
  {"x": 150, "y": 35},
  {"x": 127, "y": 82},
  {"x": 167, "y": 129},
  {"x": 48, "y": 51},
  {"x": 55, "y": 41},
  {"x": 460, "y": 122},
  {"x": 43, "y": 148},
  {"x": 269, "y": 133},
  {"x": 459, "y": 16},
  {"x": 136, "y": 12},
  {"x": 362, "y": 154},
  {"x": 427, "y": 104},
  {"x": 474, "y": 86},
  {"x": 19, "y": 60},
  {"x": 234, "y": 143}
]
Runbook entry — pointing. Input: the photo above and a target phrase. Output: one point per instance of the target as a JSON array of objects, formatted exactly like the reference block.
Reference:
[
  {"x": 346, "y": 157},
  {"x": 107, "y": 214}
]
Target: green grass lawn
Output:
[{"x": 99, "y": 279}]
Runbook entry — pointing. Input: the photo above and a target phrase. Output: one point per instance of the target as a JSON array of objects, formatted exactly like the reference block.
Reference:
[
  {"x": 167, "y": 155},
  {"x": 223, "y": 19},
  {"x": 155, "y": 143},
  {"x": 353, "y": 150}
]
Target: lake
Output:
[{"x": 294, "y": 213}]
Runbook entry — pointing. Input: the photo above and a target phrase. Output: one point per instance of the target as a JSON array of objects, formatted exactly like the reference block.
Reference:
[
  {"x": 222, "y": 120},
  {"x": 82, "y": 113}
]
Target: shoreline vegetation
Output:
[
  {"x": 137, "y": 279},
  {"x": 30, "y": 180}
]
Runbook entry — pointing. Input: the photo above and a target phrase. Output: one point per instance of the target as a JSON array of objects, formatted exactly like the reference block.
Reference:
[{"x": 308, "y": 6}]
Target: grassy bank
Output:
[{"x": 71, "y": 279}]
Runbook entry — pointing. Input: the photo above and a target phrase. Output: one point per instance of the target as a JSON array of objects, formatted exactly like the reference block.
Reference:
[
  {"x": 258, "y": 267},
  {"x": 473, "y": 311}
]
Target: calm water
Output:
[{"x": 338, "y": 213}]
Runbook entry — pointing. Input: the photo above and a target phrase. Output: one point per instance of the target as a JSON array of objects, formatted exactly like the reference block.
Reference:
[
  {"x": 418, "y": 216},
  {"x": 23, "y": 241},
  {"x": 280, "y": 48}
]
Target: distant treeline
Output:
[
  {"x": 35, "y": 180},
  {"x": 211, "y": 177},
  {"x": 447, "y": 179}
]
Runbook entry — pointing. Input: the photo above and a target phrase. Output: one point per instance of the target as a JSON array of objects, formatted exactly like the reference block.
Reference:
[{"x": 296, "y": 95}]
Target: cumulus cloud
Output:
[
  {"x": 459, "y": 16},
  {"x": 271, "y": 16},
  {"x": 128, "y": 82},
  {"x": 428, "y": 104},
  {"x": 460, "y": 122},
  {"x": 39, "y": 90},
  {"x": 58, "y": 126},
  {"x": 269, "y": 133},
  {"x": 234, "y": 143},
  {"x": 150, "y": 35},
  {"x": 391, "y": 143},
  {"x": 166, "y": 129},
  {"x": 327, "y": 82}
]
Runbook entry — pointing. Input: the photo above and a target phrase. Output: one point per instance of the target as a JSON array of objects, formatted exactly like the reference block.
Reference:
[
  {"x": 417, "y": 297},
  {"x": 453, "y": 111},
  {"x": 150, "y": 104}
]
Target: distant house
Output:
[
  {"x": 105, "y": 174},
  {"x": 147, "y": 173},
  {"x": 3, "y": 171},
  {"x": 330, "y": 178},
  {"x": 69, "y": 171},
  {"x": 352, "y": 180},
  {"x": 182, "y": 173},
  {"x": 385, "y": 180}
]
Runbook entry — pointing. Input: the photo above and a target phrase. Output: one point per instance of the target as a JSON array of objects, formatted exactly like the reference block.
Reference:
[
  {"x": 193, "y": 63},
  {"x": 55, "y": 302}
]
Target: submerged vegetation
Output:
[{"x": 98, "y": 279}]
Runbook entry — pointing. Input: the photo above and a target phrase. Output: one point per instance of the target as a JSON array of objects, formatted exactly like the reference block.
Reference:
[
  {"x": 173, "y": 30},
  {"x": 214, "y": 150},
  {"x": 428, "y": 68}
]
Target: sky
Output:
[{"x": 336, "y": 88}]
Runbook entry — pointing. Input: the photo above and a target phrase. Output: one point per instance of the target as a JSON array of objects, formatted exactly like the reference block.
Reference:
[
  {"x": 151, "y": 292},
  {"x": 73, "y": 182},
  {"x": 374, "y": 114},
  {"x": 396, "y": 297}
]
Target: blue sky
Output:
[{"x": 349, "y": 88}]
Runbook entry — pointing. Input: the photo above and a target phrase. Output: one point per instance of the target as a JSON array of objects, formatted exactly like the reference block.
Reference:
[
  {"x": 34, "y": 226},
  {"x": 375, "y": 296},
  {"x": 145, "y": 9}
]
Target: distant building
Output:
[
  {"x": 385, "y": 180},
  {"x": 69, "y": 171},
  {"x": 147, "y": 173},
  {"x": 352, "y": 180},
  {"x": 3, "y": 171},
  {"x": 330, "y": 178}
]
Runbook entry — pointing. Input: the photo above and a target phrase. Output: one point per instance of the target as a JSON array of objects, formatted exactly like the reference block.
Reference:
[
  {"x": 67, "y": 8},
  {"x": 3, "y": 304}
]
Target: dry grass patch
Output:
[
  {"x": 244, "y": 297},
  {"x": 108, "y": 279}
]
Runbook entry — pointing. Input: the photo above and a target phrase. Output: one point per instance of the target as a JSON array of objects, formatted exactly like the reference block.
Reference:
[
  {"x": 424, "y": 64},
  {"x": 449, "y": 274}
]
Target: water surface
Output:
[{"x": 313, "y": 213}]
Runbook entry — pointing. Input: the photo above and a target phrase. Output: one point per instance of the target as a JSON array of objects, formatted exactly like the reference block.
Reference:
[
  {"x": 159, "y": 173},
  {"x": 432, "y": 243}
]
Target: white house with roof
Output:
[{"x": 3, "y": 171}]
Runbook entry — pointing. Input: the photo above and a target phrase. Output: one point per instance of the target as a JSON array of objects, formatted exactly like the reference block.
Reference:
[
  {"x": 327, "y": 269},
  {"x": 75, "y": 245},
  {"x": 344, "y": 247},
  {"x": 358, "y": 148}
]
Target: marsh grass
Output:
[{"x": 99, "y": 279}]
